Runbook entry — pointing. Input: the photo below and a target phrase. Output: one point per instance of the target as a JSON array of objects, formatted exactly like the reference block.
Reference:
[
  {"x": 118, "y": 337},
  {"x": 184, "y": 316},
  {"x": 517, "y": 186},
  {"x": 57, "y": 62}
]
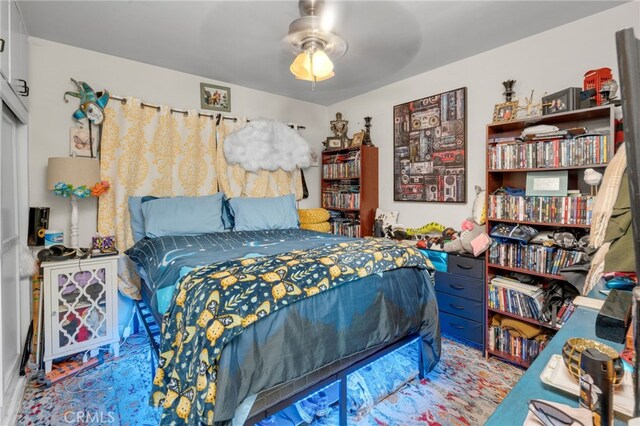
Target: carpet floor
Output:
[{"x": 463, "y": 389}]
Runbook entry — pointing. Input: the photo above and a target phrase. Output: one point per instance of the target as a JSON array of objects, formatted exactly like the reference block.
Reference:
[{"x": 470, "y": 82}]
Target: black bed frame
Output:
[{"x": 150, "y": 324}]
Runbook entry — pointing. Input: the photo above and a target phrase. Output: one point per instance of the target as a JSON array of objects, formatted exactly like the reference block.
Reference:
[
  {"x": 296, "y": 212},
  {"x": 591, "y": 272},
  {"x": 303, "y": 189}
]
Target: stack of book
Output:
[
  {"x": 537, "y": 258},
  {"x": 562, "y": 210},
  {"x": 564, "y": 312},
  {"x": 340, "y": 195},
  {"x": 584, "y": 150},
  {"x": 345, "y": 226},
  {"x": 342, "y": 166},
  {"x": 519, "y": 347},
  {"x": 512, "y": 296}
]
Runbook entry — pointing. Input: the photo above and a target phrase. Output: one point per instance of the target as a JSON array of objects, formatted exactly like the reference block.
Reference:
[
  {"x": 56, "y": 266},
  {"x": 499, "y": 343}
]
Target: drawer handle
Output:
[
  {"x": 464, "y": 266},
  {"x": 460, "y": 308},
  {"x": 1, "y": 45},
  {"x": 25, "y": 89},
  {"x": 456, "y": 287},
  {"x": 459, "y": 327}
]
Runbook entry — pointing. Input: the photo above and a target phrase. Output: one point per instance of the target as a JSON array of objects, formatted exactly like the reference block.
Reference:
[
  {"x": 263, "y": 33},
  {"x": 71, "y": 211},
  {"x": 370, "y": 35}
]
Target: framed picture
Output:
[
  {"x": 552, "y": 183},
  {"x": 505, "y": 111},
  {"x": 357, "y": 138},
  {"x": 333, "y": 143},
  {"x": 79, "y": 145},
  {"x": 217, "y": 98},
  {"x": 314, "y": 158},
  {"x": 429, "y": 148}
]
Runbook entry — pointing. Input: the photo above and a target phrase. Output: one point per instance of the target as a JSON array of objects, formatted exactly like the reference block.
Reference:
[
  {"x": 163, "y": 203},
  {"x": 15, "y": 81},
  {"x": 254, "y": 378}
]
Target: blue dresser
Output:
[{"x": 459, "y": 283}]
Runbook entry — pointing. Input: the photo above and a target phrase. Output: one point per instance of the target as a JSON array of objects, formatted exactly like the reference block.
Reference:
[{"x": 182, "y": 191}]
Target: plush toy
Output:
[{"x": 473, "y": 239}]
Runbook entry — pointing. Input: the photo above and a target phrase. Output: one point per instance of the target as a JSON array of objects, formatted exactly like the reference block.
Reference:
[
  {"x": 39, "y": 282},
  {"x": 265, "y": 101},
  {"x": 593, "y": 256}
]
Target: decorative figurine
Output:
[
  {"x": 608, "y": 91},
  {"x": 508, "y": 89},
  {"x": 528, "y": 108},
  {"x": 367, "y": 135},
  {"x": 91, "y": 103},
  {"x": 339, "y": 128}
]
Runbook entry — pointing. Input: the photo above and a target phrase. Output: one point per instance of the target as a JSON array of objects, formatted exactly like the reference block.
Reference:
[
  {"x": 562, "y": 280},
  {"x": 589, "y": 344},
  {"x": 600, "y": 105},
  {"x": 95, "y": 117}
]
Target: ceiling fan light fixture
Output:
[{"x": 314, "y": 46}]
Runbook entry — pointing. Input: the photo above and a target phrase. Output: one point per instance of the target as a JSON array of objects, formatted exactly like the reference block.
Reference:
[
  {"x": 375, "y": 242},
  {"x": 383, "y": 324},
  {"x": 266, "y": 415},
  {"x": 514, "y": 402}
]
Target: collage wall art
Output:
[{"x": 430, "y": 148}]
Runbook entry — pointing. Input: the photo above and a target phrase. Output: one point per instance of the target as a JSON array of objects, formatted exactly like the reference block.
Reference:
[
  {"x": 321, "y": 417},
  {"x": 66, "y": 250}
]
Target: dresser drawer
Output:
[
  {"x": 465, "y": 266},
  {"x": 466, "y": 308},
  {"x": 459, "y": 286},
  {"x": 461, "y": 327}
]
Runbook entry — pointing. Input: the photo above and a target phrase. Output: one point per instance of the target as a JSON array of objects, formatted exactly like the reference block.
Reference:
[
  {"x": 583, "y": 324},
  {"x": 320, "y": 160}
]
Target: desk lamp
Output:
[{"x": 73, "y": 177}]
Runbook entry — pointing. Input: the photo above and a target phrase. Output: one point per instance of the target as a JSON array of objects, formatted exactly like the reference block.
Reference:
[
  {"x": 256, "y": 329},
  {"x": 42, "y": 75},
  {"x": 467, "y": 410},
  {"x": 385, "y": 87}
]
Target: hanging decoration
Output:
[{"x": 91, "y": 106}]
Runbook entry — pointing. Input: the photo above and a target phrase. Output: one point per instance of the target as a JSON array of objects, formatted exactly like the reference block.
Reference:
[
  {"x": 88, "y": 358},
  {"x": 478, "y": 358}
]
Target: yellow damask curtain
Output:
[
  {"x": 235, "y": 181},
  {"x": 145, "y": 151}
]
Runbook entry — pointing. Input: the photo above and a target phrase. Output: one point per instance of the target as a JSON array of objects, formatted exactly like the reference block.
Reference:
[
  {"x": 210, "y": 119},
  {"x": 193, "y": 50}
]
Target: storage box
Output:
[{"x": 564, "y": 100}]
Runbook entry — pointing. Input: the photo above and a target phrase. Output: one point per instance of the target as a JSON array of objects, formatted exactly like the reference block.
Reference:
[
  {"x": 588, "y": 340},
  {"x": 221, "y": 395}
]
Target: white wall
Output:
[
  {"x": 546, "y": 62},
  {"x": 51, "y": 66}
]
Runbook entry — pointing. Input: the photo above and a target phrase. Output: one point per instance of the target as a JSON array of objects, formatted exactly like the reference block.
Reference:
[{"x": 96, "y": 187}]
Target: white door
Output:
[
  {"x": 4, "y": 35},
  {"x": 10, "y": 315}
]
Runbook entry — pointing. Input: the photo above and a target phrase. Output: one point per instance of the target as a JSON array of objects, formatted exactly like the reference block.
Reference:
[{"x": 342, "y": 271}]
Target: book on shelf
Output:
[
  {"x": 341, "y": 195},
  {"x": 584, "y": 150},
  {"x": 512, "y": 296},
  {"x": 570, "y": 210},
  {"x": 519, "y": 347},
  {"x": 535, "y": 258},
  {"x": 341, "y": 166}
]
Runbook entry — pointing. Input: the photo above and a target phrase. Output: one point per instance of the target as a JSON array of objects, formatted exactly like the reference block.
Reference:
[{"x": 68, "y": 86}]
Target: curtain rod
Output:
[{"x": 217, "y": 116}]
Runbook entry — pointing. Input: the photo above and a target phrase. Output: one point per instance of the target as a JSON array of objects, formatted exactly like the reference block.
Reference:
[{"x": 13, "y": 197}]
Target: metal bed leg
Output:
[{"x": 343, "y": 401}]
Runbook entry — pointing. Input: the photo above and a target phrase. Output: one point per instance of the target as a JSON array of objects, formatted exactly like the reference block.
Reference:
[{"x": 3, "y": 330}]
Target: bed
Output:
[{"x": 298, "y": 344}]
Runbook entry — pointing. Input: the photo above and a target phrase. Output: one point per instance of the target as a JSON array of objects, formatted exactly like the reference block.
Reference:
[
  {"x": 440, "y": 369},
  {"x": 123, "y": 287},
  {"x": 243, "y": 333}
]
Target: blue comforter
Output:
[{"x": 309, "y": 334}]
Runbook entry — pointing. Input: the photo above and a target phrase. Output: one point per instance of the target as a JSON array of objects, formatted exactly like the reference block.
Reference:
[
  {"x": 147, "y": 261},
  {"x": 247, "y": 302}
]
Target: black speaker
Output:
[{"x": 38, "y": 222}]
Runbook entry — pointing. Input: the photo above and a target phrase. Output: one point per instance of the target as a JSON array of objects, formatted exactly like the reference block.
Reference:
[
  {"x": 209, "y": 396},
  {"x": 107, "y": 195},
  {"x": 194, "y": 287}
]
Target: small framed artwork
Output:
[
  {"x": 79, "y": 144},
  {"x": 357, "y": 138},
  {"x": 333, "y": 143},
  {"x": 552, "y": 183},
  {"x": 314, "y": 158},
  {"x": 217, "y": 98},
  {"x": 505, "y": 111}
]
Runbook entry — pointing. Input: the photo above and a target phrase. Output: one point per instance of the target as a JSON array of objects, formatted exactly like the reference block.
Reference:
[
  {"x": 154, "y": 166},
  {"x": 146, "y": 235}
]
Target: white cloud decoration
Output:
[{"x": 267, "y": 145}]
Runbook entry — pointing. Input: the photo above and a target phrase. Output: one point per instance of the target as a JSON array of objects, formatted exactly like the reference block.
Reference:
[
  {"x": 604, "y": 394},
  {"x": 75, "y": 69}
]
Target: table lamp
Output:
[{"x": 67, "y": 176}]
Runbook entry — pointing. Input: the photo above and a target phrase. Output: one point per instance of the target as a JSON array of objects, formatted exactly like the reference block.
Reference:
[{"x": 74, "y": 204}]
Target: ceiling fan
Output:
[{"x": 316, "y": 45}]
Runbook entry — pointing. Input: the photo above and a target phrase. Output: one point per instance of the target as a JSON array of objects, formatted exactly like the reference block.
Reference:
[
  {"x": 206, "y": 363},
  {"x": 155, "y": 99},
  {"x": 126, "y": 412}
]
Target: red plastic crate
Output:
[{"x": 593, "y": 79}]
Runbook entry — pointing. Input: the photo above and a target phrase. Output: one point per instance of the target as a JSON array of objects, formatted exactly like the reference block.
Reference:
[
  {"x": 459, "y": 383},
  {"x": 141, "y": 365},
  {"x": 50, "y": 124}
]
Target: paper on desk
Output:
[{"x": 588, "y": 302}]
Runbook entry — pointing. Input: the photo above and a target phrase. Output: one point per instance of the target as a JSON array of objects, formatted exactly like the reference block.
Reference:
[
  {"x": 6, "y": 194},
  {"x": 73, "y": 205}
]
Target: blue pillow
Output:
[
  {"x": 183, "y": 216},
  {"x": 135, "y": 218},
  {"x": 257, "y": 214}
]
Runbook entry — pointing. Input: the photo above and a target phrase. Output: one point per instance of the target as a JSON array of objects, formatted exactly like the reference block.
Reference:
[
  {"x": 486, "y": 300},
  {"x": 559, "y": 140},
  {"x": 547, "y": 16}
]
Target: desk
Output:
[{"x": 513, "y": 409}]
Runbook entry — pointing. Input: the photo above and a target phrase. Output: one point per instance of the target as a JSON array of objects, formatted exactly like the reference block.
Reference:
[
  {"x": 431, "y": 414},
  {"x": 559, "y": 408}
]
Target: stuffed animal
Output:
[{"x": 473, "y": 239}]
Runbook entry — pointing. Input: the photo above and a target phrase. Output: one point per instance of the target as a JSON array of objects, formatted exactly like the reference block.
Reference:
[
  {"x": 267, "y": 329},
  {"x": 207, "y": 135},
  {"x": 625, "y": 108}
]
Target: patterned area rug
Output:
[{"x": 463, "y": 389}]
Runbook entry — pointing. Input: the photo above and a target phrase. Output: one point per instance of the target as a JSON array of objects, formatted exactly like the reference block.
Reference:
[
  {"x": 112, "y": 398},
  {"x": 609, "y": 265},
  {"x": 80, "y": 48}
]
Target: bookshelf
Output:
[
  {"x": 349, "y": 188},
  {"x": 508, "y": 161}
]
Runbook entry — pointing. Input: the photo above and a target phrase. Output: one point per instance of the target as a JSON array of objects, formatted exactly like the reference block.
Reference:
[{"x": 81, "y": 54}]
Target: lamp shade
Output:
[
  {"x": 322, "y": 66},
  {"x": 74, "y": 171}
]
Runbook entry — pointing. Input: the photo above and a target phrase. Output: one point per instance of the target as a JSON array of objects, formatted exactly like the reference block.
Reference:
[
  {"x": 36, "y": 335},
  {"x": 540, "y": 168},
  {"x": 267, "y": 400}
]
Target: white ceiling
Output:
[{"x": 241, "y": 42}]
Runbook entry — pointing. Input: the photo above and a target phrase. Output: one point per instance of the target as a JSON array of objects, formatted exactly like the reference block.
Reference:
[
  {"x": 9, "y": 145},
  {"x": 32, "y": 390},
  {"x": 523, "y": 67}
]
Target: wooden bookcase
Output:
[
  {"x": 511, "y": 175},
  {"x": 349, "y": 185}
]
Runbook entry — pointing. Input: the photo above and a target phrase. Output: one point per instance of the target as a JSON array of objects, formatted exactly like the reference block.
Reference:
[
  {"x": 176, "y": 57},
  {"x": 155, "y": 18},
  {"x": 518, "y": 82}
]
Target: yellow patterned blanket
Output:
[{"x": 215, "y": 303}]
